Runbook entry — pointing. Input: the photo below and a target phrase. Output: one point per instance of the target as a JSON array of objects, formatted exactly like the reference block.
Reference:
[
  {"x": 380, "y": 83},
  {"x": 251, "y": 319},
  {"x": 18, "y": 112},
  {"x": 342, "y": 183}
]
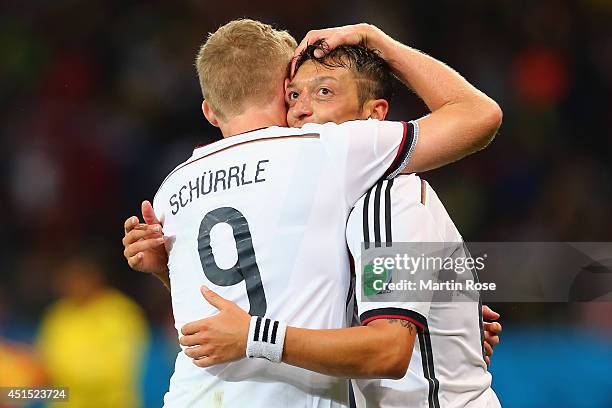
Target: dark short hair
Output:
[{"x": 373, "y": 74}]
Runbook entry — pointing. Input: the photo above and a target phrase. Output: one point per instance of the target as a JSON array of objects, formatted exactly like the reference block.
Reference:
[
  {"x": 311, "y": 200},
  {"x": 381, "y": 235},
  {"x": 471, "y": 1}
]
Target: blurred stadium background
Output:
[{"x": 100, "y": 100}]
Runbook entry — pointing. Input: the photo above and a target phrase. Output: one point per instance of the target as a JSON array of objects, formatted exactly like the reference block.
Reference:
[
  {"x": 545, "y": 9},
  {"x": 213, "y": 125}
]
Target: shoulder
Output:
[{"x": 344, "y": 127}]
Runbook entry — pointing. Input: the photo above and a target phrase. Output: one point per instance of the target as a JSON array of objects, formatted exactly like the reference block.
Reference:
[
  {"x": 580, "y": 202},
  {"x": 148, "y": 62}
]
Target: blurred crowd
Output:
[{"x": 100, "y": 100}]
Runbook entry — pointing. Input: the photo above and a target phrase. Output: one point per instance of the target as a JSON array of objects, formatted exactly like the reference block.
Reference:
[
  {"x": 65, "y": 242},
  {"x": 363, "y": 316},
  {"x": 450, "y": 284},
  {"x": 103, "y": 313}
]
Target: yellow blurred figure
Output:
[{"x": 92, "y": 340}]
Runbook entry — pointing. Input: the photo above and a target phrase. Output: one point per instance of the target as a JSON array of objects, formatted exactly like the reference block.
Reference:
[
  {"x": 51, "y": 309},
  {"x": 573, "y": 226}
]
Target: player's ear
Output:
[
  {"x": 209, "y": 114},
  {"x": 376, "y": 109}
]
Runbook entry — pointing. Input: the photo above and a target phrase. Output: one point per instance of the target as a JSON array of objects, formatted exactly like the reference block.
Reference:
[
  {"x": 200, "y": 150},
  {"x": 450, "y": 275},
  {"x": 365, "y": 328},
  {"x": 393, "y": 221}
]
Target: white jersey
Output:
[
  {"x": 260, "y": 218},
  {"x": 447, "y": 368}
]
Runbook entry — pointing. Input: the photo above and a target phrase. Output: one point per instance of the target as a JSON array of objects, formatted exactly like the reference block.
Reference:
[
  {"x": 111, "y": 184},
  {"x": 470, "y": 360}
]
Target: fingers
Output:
[
  {"x": 311, "y": 37},
  {"x": 491, "y": 339},
  {"x": 140, "y": 238},
  {"x": 141, "y": 231},
  {"x": 193, "y": 327},
  {"x": 493, "y": 327},
  {"x": 197, "y": 352},
  {"x": 135, "y": 261},
  {"x": 202, "y": 356},
  {"x": 336, "y": 39},
  {"x": 488, "y": 313},
  {"x": 130, "y": 223},
  {"x": 190, "y": 340},
  {"x": 333, "y": 37},
  {"x": 213, "y": 298},
  {"x": 141, "y": 246},
  {"x": 148, "y": 214}
]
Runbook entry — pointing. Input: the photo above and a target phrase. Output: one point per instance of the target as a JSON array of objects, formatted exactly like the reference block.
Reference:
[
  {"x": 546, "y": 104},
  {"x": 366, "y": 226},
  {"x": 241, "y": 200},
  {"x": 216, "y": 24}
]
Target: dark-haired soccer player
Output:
[{"x": 424, "y": 354}]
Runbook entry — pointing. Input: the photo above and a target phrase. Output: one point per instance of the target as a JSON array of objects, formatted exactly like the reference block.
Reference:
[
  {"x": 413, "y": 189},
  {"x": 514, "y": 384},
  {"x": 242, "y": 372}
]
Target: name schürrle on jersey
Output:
[{"x": 212, "y": 181}]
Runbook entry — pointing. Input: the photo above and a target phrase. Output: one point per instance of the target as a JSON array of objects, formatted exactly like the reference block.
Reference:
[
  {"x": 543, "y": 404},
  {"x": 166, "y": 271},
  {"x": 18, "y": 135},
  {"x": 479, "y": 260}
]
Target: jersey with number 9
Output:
[{"x": 260, "y": 218}]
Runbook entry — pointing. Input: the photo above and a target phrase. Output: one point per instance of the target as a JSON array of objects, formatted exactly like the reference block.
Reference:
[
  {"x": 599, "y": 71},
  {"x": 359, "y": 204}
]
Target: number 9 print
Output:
[{"x": 245, "y": 269}]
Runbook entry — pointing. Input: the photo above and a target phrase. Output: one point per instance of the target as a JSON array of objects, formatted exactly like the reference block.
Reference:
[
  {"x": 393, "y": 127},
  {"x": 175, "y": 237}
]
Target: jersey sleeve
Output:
[
  {"x": 401, "y": 218},
  {"x": 367, "y": 150}
]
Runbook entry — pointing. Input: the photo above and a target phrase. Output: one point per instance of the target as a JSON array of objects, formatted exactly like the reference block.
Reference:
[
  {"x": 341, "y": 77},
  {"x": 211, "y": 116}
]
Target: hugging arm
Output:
[{"x": 463, "y": 119}]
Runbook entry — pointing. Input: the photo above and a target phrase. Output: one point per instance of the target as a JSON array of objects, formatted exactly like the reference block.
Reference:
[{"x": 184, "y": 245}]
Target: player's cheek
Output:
[{"x": 324, "y": 114}]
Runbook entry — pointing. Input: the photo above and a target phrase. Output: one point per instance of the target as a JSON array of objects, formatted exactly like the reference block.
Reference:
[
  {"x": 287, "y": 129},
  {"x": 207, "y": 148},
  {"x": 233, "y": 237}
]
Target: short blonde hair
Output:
[{"x": 241, "y": 64}]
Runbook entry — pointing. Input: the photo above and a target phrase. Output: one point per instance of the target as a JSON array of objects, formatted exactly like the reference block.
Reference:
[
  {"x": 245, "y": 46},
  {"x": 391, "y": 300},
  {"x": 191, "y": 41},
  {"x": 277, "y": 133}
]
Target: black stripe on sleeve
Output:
[
  {"x": 257, "y": 327},
  {"x": 425, "y": 365},
  {"x": 389, "y": 236},
  {"x": 394, "y": 313},
  {"x": 273, "y": 335},
  {"x": 428, "y": 368},
  {"x": 377, "y": 239},
  {"x": 404, "y": 149},
  {"x": 265, "y": 332},
  {"x": 366, "y": 225}
]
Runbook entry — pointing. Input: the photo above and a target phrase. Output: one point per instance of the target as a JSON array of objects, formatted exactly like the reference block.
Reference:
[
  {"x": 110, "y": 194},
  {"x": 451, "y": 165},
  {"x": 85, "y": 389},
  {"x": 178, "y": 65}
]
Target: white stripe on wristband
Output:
[{"x": 266, "y": 339}]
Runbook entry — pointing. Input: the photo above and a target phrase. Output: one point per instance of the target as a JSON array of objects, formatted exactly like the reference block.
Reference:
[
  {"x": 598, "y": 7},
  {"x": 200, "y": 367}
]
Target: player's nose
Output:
[{"x": 302, "y": 108}]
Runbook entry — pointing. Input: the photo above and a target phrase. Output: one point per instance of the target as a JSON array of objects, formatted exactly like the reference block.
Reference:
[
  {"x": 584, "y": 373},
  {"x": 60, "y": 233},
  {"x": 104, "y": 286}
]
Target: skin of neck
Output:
[
  {"x": 256, "y": 117},
  {"x": 270, "y": 113}
]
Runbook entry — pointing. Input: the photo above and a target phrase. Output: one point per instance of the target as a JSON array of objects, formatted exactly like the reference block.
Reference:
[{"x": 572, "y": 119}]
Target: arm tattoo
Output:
[{"x": 404, "y": 323}]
